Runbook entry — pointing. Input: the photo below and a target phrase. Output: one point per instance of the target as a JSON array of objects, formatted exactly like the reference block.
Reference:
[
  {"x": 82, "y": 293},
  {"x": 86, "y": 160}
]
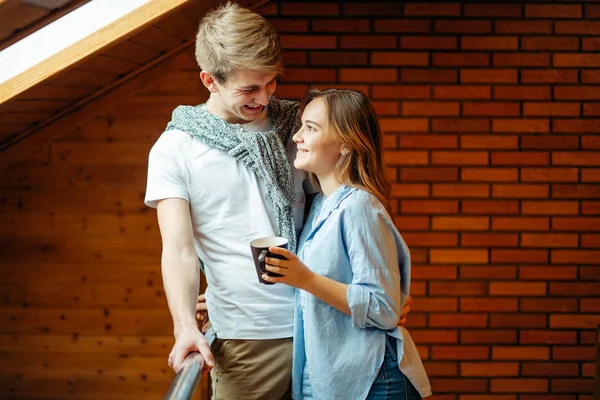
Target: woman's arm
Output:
[
  {"x": 295, "y": 273},
  {"x": 377, "y": 255},
  {"x": 373, "y": 298}
]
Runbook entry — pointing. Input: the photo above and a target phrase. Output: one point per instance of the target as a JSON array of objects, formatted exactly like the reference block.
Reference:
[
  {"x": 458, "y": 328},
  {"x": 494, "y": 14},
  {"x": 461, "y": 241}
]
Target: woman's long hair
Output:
[{"x": 354, "y": 121}]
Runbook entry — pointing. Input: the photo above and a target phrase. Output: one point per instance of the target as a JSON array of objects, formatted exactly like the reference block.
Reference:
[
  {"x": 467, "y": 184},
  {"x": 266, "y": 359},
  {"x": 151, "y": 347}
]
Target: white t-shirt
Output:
[{"x": 229, "y": 208}]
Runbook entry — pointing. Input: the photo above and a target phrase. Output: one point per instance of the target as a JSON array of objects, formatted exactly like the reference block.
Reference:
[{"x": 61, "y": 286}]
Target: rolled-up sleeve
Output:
[{"x": 374, "y": 293}]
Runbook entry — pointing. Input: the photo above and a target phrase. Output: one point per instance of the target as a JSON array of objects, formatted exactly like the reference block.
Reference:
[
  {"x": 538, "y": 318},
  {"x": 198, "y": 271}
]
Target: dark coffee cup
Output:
[{"x": 260, "y": 250}]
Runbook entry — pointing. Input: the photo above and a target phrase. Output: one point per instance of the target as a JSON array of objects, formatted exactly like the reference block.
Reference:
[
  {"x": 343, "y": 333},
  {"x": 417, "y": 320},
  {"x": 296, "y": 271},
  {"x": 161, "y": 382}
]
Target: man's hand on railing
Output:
[
  {"x": 191, "y": 346},
  {"x": 195, "y": 357},
  {"x": 186, "y": 380}
]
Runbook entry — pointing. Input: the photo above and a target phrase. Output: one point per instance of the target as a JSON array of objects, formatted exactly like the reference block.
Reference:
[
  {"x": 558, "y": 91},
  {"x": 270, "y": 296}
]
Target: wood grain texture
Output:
[
  {"x": 83, "y": 313},
  {"x": 127, "y": 25}
]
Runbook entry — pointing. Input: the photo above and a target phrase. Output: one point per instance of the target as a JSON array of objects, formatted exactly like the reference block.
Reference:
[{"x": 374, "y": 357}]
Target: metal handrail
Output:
[{"x": 185, "y": 382}]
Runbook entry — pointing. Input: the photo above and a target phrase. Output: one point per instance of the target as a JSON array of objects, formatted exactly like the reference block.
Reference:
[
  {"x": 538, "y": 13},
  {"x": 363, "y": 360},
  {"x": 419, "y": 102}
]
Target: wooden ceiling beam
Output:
[{"x": 121, "y": 29}]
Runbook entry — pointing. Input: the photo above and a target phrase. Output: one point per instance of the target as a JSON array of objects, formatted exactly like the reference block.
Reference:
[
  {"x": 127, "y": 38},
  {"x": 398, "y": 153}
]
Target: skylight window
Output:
[{"x": 62, "y": 33}]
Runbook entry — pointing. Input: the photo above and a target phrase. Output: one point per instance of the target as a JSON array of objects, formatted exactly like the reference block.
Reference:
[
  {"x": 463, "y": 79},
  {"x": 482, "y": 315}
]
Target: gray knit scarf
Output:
[{"x": 262, "y": 152}]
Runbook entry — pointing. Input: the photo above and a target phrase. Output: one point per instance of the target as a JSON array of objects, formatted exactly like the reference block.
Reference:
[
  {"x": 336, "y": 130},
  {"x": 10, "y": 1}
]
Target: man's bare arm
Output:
[{"x": 181, "y": 280}]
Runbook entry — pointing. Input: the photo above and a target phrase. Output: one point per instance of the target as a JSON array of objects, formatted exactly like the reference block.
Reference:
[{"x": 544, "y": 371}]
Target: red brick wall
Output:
[{"x": 491, "y": 116}]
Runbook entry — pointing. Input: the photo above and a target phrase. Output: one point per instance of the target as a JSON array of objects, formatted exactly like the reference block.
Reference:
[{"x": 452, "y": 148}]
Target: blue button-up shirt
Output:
[{"x": 350, "y": 238}]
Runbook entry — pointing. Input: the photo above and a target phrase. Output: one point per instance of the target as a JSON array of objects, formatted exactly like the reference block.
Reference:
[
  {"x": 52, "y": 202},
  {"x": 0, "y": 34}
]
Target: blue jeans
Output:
[{"x": 391, "y": 383}]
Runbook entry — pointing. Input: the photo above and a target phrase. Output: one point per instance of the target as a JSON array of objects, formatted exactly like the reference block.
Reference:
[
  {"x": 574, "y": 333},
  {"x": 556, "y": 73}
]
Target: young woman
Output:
[{"x": 353, "y": 267}]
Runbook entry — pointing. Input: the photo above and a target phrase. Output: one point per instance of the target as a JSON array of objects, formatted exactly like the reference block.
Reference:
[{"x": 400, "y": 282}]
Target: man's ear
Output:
[{"x": 209, "y": 81}]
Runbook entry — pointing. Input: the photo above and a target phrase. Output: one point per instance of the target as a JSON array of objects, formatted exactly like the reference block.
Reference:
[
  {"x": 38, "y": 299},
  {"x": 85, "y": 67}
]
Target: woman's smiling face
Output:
[{"x": 319, "y": 149}]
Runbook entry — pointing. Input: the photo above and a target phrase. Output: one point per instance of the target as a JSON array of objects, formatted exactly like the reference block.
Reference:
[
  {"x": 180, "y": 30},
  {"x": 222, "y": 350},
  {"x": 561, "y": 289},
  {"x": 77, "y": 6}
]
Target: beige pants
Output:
[{"x": 252, "y": 369}]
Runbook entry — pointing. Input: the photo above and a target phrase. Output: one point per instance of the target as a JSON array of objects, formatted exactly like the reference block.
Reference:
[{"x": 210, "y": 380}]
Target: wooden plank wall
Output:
[{"x": 82, "y": 310}]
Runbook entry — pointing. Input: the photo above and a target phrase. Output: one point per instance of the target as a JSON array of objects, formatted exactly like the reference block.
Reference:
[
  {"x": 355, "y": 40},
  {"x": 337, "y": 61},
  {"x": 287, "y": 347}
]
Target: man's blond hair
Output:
[{"x": 232, "y": 37}]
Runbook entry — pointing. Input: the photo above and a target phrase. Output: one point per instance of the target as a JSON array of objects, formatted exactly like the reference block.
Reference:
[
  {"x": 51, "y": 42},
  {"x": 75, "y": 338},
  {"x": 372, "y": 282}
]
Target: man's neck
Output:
[{"x": 215, "y": 108}]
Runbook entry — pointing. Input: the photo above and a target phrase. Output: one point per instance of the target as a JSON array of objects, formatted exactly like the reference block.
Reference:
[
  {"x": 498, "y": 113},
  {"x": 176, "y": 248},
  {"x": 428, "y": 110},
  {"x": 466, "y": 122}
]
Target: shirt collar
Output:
[{"x": 333, "y": 201}]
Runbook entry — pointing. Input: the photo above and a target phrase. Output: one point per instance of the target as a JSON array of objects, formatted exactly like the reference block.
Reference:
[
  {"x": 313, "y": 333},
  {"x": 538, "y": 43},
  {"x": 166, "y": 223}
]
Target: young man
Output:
[{"x": 221, "y": 176}]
